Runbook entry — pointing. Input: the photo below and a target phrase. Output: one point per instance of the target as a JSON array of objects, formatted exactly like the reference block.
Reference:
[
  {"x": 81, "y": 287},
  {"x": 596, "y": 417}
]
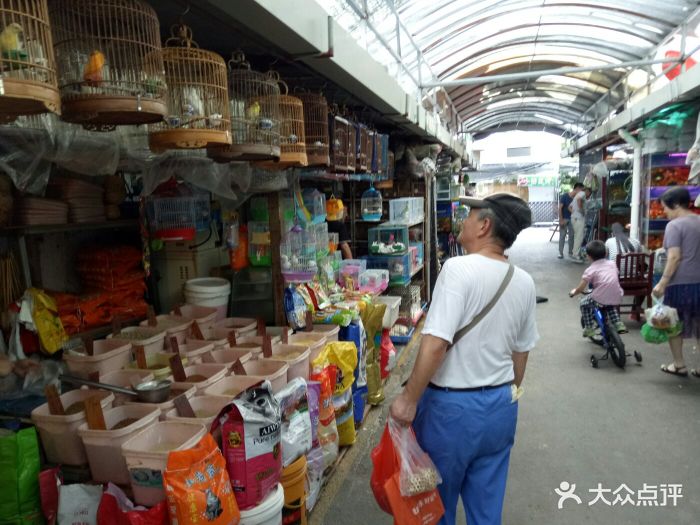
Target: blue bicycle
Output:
[{"x": 610, "y": 340}]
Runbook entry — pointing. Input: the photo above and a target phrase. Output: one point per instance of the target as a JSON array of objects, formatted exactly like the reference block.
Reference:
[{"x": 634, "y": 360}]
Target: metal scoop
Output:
[{"x": 148, "y": 392}]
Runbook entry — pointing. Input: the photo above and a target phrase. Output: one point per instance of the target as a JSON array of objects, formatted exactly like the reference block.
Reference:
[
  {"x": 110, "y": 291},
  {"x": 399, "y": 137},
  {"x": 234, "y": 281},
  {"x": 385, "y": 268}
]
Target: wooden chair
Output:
[{"x": 636, "y": 272}]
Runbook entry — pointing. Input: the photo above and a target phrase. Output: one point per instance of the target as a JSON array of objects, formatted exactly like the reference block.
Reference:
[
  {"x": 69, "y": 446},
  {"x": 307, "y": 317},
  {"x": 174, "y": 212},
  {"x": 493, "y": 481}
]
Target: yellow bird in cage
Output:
[
  {"x": 253, "y": 111},
  {"x": 93, "y": 71},
  {"x": 11, "y": 39}
]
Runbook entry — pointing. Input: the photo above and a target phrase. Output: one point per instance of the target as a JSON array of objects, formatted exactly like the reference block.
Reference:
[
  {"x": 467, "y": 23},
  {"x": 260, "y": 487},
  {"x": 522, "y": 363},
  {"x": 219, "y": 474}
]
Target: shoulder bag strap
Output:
[{"x": 463, "y": 331}]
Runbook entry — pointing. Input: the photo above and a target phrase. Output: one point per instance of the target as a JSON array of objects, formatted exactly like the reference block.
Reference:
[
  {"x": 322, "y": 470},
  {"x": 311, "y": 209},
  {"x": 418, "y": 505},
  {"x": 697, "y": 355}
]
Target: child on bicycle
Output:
[{"x": 603, "y": 277}]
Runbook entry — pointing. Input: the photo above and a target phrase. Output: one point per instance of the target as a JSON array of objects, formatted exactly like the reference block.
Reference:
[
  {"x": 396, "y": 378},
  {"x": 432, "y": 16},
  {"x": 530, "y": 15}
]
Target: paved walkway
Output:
[{"x": 577, "y": 424}]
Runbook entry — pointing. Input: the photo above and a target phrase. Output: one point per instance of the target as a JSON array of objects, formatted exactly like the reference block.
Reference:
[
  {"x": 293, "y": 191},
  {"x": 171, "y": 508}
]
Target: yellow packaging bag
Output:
[
  {"x": 48, "y": 324},
  {"x": 342, "y": 355}
]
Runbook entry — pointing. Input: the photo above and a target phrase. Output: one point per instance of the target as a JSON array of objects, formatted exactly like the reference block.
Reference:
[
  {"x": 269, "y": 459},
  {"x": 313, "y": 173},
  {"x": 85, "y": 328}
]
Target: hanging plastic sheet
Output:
[
  {"x": 25, "y": 146},
  {"x": 85, "y": 152}
]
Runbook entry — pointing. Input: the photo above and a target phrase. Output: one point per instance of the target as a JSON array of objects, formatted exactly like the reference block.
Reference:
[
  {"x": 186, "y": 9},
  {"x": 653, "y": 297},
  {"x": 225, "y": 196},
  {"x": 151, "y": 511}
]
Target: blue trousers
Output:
[{"x": 468, "y": 435}]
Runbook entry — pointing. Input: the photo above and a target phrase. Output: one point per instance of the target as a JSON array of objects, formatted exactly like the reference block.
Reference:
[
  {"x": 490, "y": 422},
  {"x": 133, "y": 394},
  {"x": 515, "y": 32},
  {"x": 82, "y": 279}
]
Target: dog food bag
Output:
[
  {"x": 250, "y": 436},
  {"x": 313, "y": 394},
  {"x": 327, "y": 430},
  {"x": 296, "y": 422},
  {"x": 315, "y": 467},
  {"x": 198, "y": 487}
]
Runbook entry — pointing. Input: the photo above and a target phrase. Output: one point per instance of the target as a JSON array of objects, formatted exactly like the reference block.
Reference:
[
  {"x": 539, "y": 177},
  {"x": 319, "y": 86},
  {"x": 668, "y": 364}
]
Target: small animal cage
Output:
[
  {"x": 259, "y": 245},
  {"x": 298, "y": 255},
  {"x": 110, "y": 64},
  {"x": 339, "y": 131},
  {"x": 371, "y": 205},
  {"x": 363, "y": 148},
  {"x": 255, "y": 114},
  {"x": 351, "y": 152},
  {"x": 197, "y": 97},
  {"x": 27, "y": 65},
  {"x": 316, "y": 128},
  {"x": 178, "y": 218},
  {"x": 315, "y": 204}
]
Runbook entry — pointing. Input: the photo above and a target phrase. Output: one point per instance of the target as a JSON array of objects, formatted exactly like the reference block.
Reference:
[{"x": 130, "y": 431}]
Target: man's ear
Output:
[{"x": 485, "y": 228}]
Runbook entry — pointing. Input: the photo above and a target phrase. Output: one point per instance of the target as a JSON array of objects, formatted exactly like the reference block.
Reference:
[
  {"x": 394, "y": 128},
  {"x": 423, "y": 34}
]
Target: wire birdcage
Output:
[
  {"x": 255, "y": 114},
  {"x": 339, "y": 131},
  {"x": 197, "y": 96},
  {"x": 292, "y": 133},
  {"x": 178, "y": 218},
  {"x": 363, "y": 148},
  {"x": 110, "y": 65},
  {"x": 377, "y": 152},
  {"x": 27, "y": 64},
  {"x": 316, "y": 128},
  {"x": 351, "y": 152},
  {"x": 298, "y": 255}
]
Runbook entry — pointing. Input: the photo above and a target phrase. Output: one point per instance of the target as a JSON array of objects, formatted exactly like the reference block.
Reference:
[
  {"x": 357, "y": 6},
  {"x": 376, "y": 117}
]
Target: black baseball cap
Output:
[{"x": 512, "y": 211}]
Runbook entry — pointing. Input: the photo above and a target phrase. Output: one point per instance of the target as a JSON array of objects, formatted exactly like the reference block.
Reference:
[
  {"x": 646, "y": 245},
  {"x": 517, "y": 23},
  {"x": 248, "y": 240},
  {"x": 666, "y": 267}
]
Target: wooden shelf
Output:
[{"x": 61, "y": 228}]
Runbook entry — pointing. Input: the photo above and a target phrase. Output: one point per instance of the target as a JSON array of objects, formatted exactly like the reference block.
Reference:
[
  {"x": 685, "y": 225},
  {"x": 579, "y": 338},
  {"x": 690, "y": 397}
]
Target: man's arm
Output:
[
  {"x": 430, "y": 356},
  {"x": 519, "y": 364},
  {"x": 561, "y": 213},
  {"x": 345, "y": 250}
]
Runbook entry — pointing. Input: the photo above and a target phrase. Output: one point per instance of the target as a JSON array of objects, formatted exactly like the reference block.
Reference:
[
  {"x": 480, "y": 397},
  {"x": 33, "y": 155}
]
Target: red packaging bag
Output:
[
  {"x": 384, "y": 465},
  {"x": 116, "y": 509},
  {"x": 198, "y": 487},
  {"x": 422, "y": 509}
]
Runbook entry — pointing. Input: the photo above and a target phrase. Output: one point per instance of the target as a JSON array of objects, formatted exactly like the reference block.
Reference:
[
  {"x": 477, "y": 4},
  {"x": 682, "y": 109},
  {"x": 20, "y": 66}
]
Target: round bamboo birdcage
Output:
[
  {"x": 255, "y": 114},
  {"x": 364, "y": 149},
  {"x": 340, "y": 132},
  {"x": 292, "y": 134},
  {"x": 316, "y": 128},
  {"x": 351, "y": 153},
  {"x": 110, "y": 66},
  {"x": 27, "y": 64},
  {"x": 197, "y": 97}
]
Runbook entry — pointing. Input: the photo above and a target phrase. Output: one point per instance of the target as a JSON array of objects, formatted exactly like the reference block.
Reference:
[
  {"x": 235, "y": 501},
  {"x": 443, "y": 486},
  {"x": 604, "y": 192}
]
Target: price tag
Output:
[
  {"x": 54, "y": 400},
  {"x": 89, "y": 346},
  {"x": 238, "y": 368},
  {"x": 174, "y": 345},
  {"x": 309, "y": 322},
  {"x": 93, "y": 413}
]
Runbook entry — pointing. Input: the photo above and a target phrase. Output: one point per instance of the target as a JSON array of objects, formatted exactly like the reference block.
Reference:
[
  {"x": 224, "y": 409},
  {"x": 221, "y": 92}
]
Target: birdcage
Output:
[
  {"x": 320, "y": 234},
  {"x": 197, "y": 96},
  {"x": 377, "y": 152},
  {"x": 298, "y": 255},
  {"x": 292, "y": 134},
  {"x": 255, "y": 114},
  {"x": 371, "y": 205},
  {"x": 259, "y": 246},
  {"x": 352, "y": 146},
  {"x": 316, "y": 128},
  {"x": 363, "y": 147},
  {"x": 27, "y": 65},
  {"x": 110, "y": 66},
  {"x": 176, "y": 218},
  {"x": 315, "y": 205},
  {"x": 339, "y": 131}
]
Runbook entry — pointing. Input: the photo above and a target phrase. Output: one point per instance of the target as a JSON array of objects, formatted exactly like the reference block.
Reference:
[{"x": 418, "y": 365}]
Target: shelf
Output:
[
  {"x": 407, "y": 225},
  {"x": 656, "y": 191},
  {"x": 416, "y": 271},
  {"x": 62, "y": 228}
]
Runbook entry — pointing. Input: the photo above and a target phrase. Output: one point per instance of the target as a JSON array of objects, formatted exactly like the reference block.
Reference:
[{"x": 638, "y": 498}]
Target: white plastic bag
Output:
[
  {"x": 418, "y": 472},
  {"x": 661, "y": 316},
  {"x": 77, "y": 504},
  {"x": 296, "y": 421}
]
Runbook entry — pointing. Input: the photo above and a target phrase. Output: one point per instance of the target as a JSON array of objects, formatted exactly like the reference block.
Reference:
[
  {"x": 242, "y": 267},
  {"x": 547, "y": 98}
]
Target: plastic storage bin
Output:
[
  {"x": 103, "y": 447},
  {"x": 204, "y": 375},
  {"x": 205, "y": 407},
  {"x": 127, "y": 379},
  {"x": 399, "y": 267},
  {"x": 205, "y": 316},
  {"x": 194, "y": 349},
  {"x": 59, "y": 435},
  {"x": 146, "y": 456},
  {"x": 407, "y": 210},
  {"x": 273, "y": 370},
  {"x": 242, "y": 325},
  {"x": 174, "y": 326},
  {"x": 388, "y": 240},
  {"x": 108, "y": 355},
  {"x": 227, "y": 356},
  {"x": 157, "y": 364},
  {"x": 419, "y": 252},
  {"x": 374, "y": 281},
  {"x": 269, "y": 512},
  {"x": 231, "y": 386},
  {"x": 151, "y": 339},
  {"x": 331, "y": 331},
  {"x": 297, "y": 358},
  {"x": 349, "y": 272},
  {"x": 212, "y": 292},
  {"x": 259, "y": 247}
]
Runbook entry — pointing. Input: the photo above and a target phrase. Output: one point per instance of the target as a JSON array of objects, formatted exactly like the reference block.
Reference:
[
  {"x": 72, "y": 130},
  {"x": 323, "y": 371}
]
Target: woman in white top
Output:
[{"x": 621, "y": 243}]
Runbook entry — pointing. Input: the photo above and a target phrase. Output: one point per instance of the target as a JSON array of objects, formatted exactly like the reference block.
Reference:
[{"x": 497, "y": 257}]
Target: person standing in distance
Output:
[
  {"x": 578, "y": 220},
  {"x": 461, "y": 396},
  {"x": 566, "y": 229}
]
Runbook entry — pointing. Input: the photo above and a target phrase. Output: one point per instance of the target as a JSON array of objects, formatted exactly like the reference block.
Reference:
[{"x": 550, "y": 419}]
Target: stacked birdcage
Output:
[
  {"x": 316, "y": 128},
  {"x": 352, "y": 146},
  {"x": 339, "y": 131},
  {"x": 197, "y": 96},
  {"x": 259, "y": 244},
  {"x": 363, "y": 159},
  {"x": 27, "y": 65},
  {"x": 292, "y": 133},
  {"x": 298, "y": 255},
  {"x": 255, "y": 114},
  {"x": 377, "y": 152},
  {"x": 315, "y": 206},
  {"x": 110, "y": 63}
]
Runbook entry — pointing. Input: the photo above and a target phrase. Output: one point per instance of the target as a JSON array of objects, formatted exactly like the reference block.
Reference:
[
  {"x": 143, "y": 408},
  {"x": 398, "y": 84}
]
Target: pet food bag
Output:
[
  {"x": 296, "y": 423},
  {"x": 19, "y": 482},
  {"x": 198, "y": 487},
  {"x": 327, "y": 429},
  {"x": 344, "y": 356},
  {"x": 250, "y": 435},
  {"x": 77, "y": 504},
  {"x": 313, "y": 394},
  {"x": 315, "y": 466}
]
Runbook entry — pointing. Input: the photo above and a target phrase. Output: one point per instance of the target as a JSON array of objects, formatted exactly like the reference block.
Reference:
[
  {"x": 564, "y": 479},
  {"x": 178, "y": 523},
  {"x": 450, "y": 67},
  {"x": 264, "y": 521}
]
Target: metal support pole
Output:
[{"x": 636, "y": 181}]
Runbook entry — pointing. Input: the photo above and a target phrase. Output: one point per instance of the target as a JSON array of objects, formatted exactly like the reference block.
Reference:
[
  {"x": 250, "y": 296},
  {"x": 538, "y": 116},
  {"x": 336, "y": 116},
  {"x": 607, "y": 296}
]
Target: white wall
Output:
[{"x": 544, "y": 147}]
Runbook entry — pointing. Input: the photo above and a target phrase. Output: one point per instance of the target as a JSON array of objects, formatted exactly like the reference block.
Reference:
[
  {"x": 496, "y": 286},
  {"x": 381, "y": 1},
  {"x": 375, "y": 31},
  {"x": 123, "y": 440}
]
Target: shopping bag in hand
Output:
[{"x": 661, "y": 316}]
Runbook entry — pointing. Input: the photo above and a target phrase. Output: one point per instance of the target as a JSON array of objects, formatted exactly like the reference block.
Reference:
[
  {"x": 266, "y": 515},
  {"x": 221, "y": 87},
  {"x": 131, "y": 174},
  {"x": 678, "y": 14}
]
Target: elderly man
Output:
[{"x": 462, "y": 394}]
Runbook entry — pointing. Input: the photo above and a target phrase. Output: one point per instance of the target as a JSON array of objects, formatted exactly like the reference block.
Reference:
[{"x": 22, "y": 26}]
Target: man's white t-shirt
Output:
[
  {"x": 483, "y": 357},
  {"x": 577, "y": 206}
]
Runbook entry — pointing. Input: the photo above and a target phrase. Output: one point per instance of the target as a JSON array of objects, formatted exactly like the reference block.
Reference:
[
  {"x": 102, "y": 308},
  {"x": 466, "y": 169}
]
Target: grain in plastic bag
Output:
[
  {"x": 418, "y": 473},
  {"x": 661, "y": 316}
]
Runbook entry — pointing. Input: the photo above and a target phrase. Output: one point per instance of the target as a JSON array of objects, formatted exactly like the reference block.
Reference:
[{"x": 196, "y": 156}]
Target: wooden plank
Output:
[
  {"x": 54, "y": 400},
  {"x": 93, "y": 413},
  {"x": 276, "y": 240}
]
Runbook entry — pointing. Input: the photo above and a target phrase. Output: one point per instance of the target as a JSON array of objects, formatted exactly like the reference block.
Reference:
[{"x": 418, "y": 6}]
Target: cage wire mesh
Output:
[
  {"x": 27, "y": 64},
  {"x": 363, "y": 148},
  {"x": 351, "y": 152},
  {"x": 197, "y": 96},
  {"x": 110, "y": 64},
  {"x": 316, "y": 128},
  {"x": 340, "y": 130}
]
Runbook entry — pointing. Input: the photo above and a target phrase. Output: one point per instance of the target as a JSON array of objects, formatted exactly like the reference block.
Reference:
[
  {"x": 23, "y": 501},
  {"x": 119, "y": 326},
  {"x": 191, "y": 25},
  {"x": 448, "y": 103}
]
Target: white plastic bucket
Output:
[
  {"x": 205, "y": 408},
  {"x": 108, "y": 355},
  {"x": 146, "y": 456},
  {"x": 59, "y": 433},
  {"x": 209, "y": 291},
  {"x": 269, "y": 512},
  {"x": 296, "y": 357},
  {"x": 231, "y": 386},
  {"x": 271, "y": 369},
  {"x": 104, "y": 447}
]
